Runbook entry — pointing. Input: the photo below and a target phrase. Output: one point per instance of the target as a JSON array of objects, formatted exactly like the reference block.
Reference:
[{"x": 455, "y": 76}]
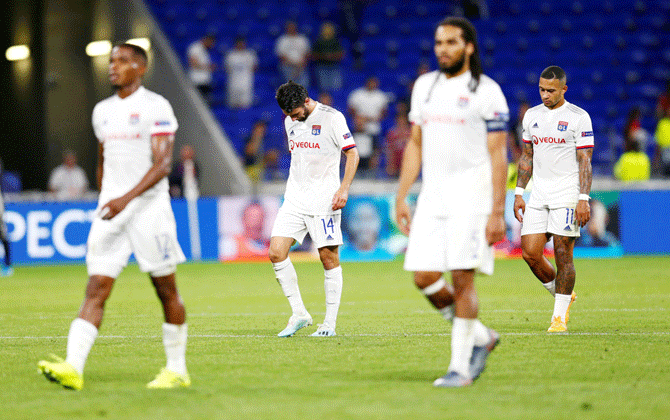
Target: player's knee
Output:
[
  {"x": 531, "y": 256},
  {"x": 277, "y": 255}
]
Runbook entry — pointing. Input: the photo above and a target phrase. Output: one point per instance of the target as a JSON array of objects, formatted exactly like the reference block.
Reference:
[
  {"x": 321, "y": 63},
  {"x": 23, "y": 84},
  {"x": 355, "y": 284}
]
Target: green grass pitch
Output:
[{"x": 613, "y": 364}]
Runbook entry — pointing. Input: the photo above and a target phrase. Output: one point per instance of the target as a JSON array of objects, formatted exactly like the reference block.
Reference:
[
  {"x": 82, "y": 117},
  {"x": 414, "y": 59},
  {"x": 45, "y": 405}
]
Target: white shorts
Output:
[
  {"x": 560, "y": 221},
  {"x": 325, "y": 230},
  {"x": 145, "y": 228},
  {"x": 449, "y": 243}
]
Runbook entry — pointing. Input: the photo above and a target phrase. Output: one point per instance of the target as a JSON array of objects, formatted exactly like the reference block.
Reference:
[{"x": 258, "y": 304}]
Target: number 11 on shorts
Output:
[
  {"x": 569, "y": 216},
  {"x": 330, "y": 225}
]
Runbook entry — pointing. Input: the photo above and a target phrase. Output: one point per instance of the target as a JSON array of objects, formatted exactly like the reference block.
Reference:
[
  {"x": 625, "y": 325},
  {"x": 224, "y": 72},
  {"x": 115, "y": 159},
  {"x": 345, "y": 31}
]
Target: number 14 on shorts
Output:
[{"x": 328, "y": 225}]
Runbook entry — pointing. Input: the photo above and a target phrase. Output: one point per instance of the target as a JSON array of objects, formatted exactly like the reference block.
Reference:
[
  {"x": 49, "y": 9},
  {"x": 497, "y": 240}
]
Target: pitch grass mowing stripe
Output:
[{"x": 521, "y": 334}]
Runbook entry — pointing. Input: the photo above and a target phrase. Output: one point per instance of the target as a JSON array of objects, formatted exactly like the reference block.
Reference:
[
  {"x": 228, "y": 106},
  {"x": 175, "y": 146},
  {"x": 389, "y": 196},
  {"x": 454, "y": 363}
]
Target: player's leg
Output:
[
  {"x": 326, "y": 233},
  {"x": 565, "y": 282},
  {"x": 175, "y": 329},
  {"x": 108, "y": 250},
  {"x": 534, "y": 237},
  {"x": 288, "y": 228},
  {"x": 437, "y": 291},
  {"x": 288, "y": 280},
  {"x": 7, "y": 268},
  {"x": 153, "y": 236},
  {"x": 332, "y": 285}
]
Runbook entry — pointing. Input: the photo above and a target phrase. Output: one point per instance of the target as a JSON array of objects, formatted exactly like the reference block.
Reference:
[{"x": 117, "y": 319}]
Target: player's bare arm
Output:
[
  {"x": 342, "y": 194},
  {"x": 161, "y": 150},
  {"x": 583, "y": 210},
  {"x": 497, "y": 146},
  {"x": 525, "y": 171},
  {"x": 409, "y": 172},
  {"x": 99, "y": 167}
]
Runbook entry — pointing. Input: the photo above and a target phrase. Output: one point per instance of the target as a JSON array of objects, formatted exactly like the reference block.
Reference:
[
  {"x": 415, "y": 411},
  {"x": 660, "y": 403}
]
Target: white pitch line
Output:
[
  {"x": 518, "y": 334},
  {"x": 266, "y": 314}
]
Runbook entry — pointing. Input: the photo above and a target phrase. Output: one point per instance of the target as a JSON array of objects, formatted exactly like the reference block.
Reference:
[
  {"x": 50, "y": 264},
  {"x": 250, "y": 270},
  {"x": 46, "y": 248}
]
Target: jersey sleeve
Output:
[
  {"x": 495, "y": 112},
  {"x": 525, "y": 124},
  {"x": 585, "y": 132},
  {"x": 343, "y": 137},
  {"x": 163, "y": 120},
  {"x": 414, "y": 115},
  {"x": 97, "y": 123}
]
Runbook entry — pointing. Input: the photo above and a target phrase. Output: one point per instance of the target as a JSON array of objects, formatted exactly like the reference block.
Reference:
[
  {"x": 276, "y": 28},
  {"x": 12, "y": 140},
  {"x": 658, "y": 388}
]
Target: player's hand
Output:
[
  {"x": 340, "y": 199},
  {"x": 582, "y": 212},
  {"x": 403, "y": 217},
  {"x": 495, "y": 228},
  {"x": 519, "y": 204},
  {"x": 113, "y": 207}
]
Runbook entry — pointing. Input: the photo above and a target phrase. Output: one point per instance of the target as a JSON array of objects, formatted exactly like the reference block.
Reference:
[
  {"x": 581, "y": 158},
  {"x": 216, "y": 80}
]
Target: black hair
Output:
[
  {"x": 469, "y": 35},
  {"x": 290, "y": 96},
  {"x": 554, "y": 72},
  {"x": 137, "y": 51}
]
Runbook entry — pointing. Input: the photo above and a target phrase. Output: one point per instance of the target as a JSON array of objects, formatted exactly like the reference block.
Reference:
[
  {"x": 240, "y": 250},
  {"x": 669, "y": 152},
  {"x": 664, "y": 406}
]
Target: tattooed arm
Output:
[
  {"x": 525, "y": 171},
  {"x": 583, "y": 210}
]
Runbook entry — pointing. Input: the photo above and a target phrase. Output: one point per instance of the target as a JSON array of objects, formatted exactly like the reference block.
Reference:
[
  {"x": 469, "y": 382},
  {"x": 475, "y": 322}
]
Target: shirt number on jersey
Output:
[
  {"x": 330, "y": 225},
  {"x": 163, "y": 243}
]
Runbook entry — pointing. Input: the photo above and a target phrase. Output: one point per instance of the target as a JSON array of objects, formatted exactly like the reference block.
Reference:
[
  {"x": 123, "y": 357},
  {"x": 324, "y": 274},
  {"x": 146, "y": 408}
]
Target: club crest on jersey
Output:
[
  {"x": 562, "y": 125},
  {"x": 134, "y": 119},
  {"x": 316, "y": 130},
  {"x": 463, "y": 101}
]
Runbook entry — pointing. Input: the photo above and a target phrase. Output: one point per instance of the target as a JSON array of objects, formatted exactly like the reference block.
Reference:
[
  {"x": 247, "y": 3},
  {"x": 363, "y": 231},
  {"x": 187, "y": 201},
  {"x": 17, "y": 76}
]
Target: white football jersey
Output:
[
  {"x": 455, "y": 121},
  {"x": 124, "y": 127},
  {"x": 316, "y": 146},
  {"x": 556, "y": 134}
]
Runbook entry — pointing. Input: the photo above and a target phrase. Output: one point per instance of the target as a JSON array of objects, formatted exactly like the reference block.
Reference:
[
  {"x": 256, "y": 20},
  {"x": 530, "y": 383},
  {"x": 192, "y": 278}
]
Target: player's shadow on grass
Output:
[{"x": 395, "y": 376}]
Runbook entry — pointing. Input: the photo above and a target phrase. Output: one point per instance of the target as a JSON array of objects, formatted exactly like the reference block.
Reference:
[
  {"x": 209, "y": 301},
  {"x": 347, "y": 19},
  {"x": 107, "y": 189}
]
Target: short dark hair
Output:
[
  {"x": 137, "y": 51},
  {"x": 290, "y": 96},
  {"x": 554, "y": 72},
  {"x": 469, "y": 34}
]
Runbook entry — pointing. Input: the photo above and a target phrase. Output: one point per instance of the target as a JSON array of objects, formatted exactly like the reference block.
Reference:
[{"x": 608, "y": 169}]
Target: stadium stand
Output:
[{"x": 616, "y": 54}]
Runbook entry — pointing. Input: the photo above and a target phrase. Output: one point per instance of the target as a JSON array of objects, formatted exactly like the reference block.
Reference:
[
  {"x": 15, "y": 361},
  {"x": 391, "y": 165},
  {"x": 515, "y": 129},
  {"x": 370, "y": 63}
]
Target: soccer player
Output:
[
  {"x": 317, "y": 137},
  {"x": 7, "y": 269},
  {"x": 459, "y": 120},
  {"x": 557, "y": 150},
  {"x": 135, "y": 128}
]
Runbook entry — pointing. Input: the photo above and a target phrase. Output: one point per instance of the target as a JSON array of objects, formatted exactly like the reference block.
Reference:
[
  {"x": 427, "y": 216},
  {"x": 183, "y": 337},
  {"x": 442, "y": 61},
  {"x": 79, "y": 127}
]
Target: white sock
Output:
[
  {"x": 79, "y": 342},
  {"x": 561, "y": 304},
  {"x": 174, "y": 340},
  {"x": 551, "y": 287},
  {"x": 462, "y": 341},
  {"x": 288, "y": 280},
  {"x": 333, "y": 287},
  {"x": 481, "y": 333},
  {"x": 448, "y": 312}
]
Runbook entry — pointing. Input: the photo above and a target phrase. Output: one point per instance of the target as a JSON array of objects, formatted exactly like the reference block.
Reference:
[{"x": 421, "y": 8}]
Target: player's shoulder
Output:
[
  {"x": 426, "y": 79},
  {"x": 537, "y": 109},
  {"x": 574, "y": 109},
  {"x": 104, "y": 104},
  {"x": 328, "y": 111},
  {"x": 487, "y": 85}
]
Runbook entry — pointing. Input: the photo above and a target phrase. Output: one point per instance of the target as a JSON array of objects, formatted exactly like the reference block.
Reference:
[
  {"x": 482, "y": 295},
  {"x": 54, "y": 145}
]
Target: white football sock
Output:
[
  {"x": 561, "y": 304},
  {"x": 288, "y": 280},
  {"x": 174, "y": 340},
  {"x": 79, "y": 342},
  {"x": 551, "y": 287},
  {"x": 462, "y": 341},
  {"x": 333, "y": 287},
  {"x": 481, "y": 334}
]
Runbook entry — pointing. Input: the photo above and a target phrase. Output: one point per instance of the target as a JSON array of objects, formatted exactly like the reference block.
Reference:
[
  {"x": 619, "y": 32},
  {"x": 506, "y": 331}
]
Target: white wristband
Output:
[
  {"x": 519, "y": 191},
  {"x": 584, "y": 197}
]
